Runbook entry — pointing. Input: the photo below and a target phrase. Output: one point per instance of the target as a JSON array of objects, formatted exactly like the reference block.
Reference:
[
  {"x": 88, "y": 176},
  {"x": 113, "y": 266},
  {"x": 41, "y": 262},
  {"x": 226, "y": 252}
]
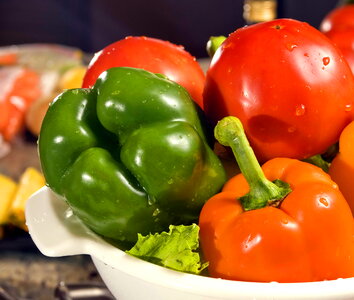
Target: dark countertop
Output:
[
  {"x": 31, "y": 275},
  {"x": 25, "y": 273}
]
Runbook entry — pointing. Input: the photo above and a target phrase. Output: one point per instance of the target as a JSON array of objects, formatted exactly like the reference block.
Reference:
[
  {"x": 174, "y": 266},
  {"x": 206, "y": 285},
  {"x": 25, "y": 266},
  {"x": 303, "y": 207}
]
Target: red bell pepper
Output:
[{"x": 20, "y": 88}]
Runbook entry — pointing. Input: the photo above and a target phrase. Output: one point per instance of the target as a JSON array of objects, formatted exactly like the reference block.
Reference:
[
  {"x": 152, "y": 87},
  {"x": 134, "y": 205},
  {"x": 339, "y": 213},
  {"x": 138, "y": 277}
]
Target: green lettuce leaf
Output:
[{"x": 176, "y": 249}]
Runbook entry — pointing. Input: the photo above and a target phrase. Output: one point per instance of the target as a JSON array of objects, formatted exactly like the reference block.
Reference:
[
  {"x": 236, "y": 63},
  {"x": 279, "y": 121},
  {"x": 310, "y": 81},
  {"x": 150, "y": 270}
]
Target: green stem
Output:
[
  {"x": 214, "y": 43},
  {"x": 229, "y": 132},
  {"x": 318, "y": 161}
]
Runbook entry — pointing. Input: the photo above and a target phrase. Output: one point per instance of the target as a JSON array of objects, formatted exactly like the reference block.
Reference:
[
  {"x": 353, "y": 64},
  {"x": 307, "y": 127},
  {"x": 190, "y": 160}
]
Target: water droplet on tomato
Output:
[
  {"x": 348, "y": 107},
  {"x": 227, "y": 45},
  {"x": 291, "y": 46},
  {"x": 291, "y": 129},
  {"x": 285, "y": 221},
  {"x": 326, "y": 60},
  {"x": 324, "y": 201},
  {"x": 245, "y": 94},
  {"x": 300, "y": 110}
]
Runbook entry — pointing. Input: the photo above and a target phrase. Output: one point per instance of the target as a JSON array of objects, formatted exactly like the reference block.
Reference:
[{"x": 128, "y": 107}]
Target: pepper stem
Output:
[
  {"x": 214, "y": 43},
  {"x": 318, "y": 161},
  {"x": 229, "y": 132}
]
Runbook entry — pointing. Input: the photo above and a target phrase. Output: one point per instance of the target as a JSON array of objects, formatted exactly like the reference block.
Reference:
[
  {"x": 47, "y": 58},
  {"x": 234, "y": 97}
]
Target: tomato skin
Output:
[
  {"x": 338, "y": 26},
  {"x": 287, "y": 83},
  {"x": 153, "y": 55},
  {"x": 339, "y": 19}
]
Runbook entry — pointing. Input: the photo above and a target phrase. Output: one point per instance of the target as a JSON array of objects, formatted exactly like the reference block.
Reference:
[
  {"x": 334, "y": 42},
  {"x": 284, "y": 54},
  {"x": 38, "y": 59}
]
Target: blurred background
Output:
[
  {"x": 32, "y": 76},
  {"x": 91, "y": 24}
]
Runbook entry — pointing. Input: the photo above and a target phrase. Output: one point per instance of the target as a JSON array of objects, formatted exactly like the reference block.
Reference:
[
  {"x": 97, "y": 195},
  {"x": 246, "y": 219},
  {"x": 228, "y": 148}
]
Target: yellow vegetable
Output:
[
  {"x": 7, "y": 193},
  {"x": 30, "y": 181},
  {"x": 72, "y": 78}
]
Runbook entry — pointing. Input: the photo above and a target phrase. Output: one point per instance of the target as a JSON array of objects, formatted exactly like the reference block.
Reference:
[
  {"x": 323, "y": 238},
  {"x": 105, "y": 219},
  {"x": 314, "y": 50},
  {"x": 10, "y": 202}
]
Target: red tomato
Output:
[
  {"x": 344, "y": 40},
  {"x": 153, "y": 55},
  {"x": 338, "y": 26},
  {"x": 340, "y": 18},
  {"x": 287, "y": 83}
]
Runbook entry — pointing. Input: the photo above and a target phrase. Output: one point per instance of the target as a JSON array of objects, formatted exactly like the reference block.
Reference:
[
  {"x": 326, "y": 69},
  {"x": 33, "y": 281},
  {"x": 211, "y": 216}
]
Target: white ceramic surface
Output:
[{"x": 57, "y": 232}]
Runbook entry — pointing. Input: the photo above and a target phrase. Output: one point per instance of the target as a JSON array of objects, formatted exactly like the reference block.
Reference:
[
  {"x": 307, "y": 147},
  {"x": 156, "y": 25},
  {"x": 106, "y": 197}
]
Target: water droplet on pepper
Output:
[
  {"x": 324, "y": 201},
  {"x": 348, "y": 107},
  {"x": 285, "y": 221}
]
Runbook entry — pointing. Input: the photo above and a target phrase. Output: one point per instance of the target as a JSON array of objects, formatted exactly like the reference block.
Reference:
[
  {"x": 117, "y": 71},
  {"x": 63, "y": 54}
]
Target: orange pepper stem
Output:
[{"x": 263, "y": 192}]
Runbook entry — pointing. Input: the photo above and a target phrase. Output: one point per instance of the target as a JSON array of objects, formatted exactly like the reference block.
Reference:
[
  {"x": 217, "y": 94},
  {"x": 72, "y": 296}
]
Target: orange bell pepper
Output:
[
  {"x": 341, "y": 169},
  {"x": 284, "y": 222},
  {"x": 21, "y": 87}
]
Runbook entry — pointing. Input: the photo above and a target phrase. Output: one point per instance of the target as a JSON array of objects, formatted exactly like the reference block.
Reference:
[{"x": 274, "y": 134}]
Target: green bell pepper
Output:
[{"x": 129, "y": 155}]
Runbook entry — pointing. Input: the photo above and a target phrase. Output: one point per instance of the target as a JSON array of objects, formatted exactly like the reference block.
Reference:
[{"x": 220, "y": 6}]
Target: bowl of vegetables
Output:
[
  {"x": 57, "y": 232},
  {"x": 134, "y": 179}
]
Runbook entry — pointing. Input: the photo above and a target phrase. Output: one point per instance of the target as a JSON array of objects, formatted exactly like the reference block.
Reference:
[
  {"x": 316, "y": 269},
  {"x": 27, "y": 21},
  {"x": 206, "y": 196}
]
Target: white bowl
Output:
[{"x": 57, "y": 232}]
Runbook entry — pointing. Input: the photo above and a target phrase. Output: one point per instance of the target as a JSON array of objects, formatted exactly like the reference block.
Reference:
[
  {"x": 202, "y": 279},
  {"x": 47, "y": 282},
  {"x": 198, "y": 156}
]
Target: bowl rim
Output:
[
  {"x": 105, "y": 255},
  {"x": 209, "y": 286}
]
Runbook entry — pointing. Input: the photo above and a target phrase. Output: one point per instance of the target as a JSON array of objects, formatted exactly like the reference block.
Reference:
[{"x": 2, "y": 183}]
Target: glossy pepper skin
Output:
[
  {"x": 309, "y": 236},
  {"x": 341, "y": 169},
  {"x": 129, "y": 155}
]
